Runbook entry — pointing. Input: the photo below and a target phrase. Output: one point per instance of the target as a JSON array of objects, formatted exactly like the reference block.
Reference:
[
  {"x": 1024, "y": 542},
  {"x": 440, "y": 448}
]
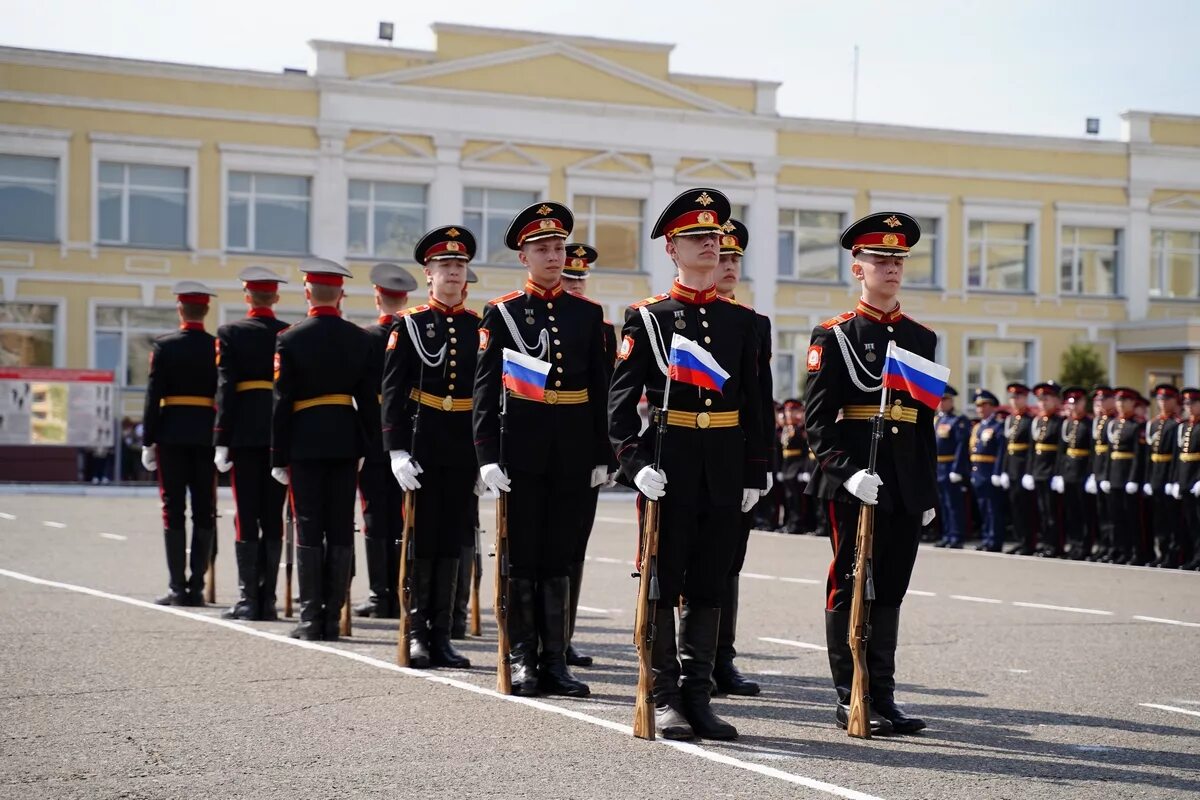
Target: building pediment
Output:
[{"x": 1184, "y": 203}]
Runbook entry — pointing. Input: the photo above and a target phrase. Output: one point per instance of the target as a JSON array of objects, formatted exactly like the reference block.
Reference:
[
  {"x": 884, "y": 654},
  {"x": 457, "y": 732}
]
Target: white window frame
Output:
[
  {"x": 795, "y": 355},
  {"x": 1118, "y": 292},
  {"x": 21, "y": 140},
  {"x": 499, "y": 185},
  {"x": 126, "y": 190},
  {"x": 152, "y": 151},
  {"x": 370, "y": 206},
  {"x": 60, "y": 322},
  {"x": 1031, "y": 364},
  {"x": 273, "y": 161},
  {"x": 1178, "y": 223},
  {"x": 122, "y": 366},
  {"x": 991, "y": 210},
  {"x": 922, "y": 205},
  {"x": 643, "y": 233},
  {"x": 826, "y": 200}
]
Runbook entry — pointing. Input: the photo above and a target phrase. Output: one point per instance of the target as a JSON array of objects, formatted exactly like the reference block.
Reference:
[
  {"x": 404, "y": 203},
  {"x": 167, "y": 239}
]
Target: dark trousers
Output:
[
  {"x": 1049, "y": 511},
  {"x": 897, "y": 536},
  {"x": 444, "y": 511},
  {"x": 697, "y": 543},
  {"x": 1166, "y": 522},
  {"x": 257, "y": 496},
  {"x": 793, "y": 505},
  {"x": 1190, "y": 530},
  {"x": 382, "y": 501},
  {"x": 953, "y": 510},
  {"x": 323, "y": 501},
  {"x": 1076, "y": 517},
  {"x": 1104, "y": 521},
  {"x": 544, "y": 513},
  {"x": 1023, "y": 506},
  {"x": 183, "y": 471},
  {"x": 586, "y": 522},
  {"x": 991, "y": 513},
  {"x": 1126, "y": 519}
]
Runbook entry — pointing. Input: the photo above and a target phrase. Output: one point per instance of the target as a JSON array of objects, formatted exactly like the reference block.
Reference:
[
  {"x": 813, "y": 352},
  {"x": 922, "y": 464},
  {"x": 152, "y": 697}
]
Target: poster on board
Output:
[{"x": 56, "y": 407}]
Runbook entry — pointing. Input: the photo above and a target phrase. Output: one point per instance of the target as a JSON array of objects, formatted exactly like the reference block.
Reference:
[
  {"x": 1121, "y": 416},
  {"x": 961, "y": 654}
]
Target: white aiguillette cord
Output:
[
  {"x": 543, "y": 341},
  {"x": 847, "y": 355},
  {"x": 654, "y": 334},
  {"x": 433, "y": 361}
]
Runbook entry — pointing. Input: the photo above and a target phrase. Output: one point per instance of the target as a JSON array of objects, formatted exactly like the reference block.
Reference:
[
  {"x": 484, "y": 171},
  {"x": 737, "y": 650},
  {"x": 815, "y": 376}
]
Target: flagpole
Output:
[{"x": 883, "y": 388}]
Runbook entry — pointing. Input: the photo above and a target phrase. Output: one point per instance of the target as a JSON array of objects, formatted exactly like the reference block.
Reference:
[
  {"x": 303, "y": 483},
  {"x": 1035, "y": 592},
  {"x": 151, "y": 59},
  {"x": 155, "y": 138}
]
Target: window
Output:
[
  {"x": 783, "y": 363},
  {"x": 487, "y": 213},
  {"x": 740, "y": 212},
  {"x": 809, "y": 249},
  {"x": 27, "y": 334},
  {"x": 267, "y": 213},
  {"x": 386, "y": 219},
  {"x": 1090, "y": 261},
  {"x": 613, "y": 225},
  {"x": 998, "y": 256},
  {"x": 992, "y": 364},
  {"x": 29, "y": 198},
  {"x": 123, "y": 339},
  {"x": 921, "y": 268},
  {"x": 143, "y": 205},
  {"x": 1174, "y": 264}
]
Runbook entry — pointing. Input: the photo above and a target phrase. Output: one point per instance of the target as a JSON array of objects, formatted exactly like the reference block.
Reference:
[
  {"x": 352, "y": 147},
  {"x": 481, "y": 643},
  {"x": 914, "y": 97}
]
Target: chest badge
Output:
[
  {"x": 870, "y": 355},
  {"x": 680, "y": 324}
]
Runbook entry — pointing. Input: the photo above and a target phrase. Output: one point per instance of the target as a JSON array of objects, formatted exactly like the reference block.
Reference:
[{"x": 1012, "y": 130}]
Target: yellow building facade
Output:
[{"x": 119, "y": 178}]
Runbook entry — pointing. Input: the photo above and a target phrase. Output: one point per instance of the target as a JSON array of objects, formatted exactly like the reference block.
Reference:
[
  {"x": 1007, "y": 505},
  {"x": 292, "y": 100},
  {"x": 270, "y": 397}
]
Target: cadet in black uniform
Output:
[
  {"x": 1045, "y": 436},
  {"x": 467, "y": 558},
  {"x": 735, "y": 237},
  {"x": 1162, "y": 441},
  {"x": 555, "y": 449},
  {"x": 794, "y": 466},
  {"x": 845, "y": 366},
  {"x": 1014, "y": 465},
  {"x": 953, "y": 432},
  {"x": 1187, "y": 475},
  {"x": 245, "y": 355},
  {"x": 427, "y": 432},
  {"x": 1123, "y": 480},
  {"x": 713, "y": 461},
  {"x": 985, "y": 445},
  {"x": 325, "y": 421},
  {"x": 1104, "y": 408},
  {"x": 1073, "y": 472},
  {"x": 382, "y": 499},
  {"x": 177, "y": 441},
  {"x": 580, "y": 258}
]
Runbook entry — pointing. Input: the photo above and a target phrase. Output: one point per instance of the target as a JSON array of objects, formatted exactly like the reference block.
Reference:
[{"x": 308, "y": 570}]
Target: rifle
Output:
[
  {"x": 344, "y": 626},
  {"x": 406, "y": 544},
  {"x": 476, "y": 579},
  {"x": 210, "y": 577},
  {"x": 648, "y": 594},
  {"x": 503, "y": 676},
  {"x": 289, "y": 546},
  {"x": 863, "y": 593}
]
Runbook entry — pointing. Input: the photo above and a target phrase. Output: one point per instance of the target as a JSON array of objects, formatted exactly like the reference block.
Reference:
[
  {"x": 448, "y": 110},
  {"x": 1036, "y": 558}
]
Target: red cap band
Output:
[
  {"x": 541, "y": 227},
  {"x": 260, "y": 286},
  {"x": 877, "y": 239},
  {"x": 447, "y": 248},
  {"x": 692, "y": 221},
  {"x": 194, "y": 299},
  {"x": 324, "y": 279},
  {"x": 390, "y": 292}
]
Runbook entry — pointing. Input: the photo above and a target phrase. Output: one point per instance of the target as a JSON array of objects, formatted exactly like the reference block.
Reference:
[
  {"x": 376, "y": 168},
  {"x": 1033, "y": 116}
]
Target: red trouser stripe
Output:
[{"x": 833, "y": 526}]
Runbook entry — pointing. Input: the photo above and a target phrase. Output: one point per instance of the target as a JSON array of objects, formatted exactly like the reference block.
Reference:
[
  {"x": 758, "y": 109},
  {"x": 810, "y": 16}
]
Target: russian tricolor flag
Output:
[
  {"x": 525, "y": 375},
  {"x": 920, "y": 377},
  {"x": 691, "y": 363}
]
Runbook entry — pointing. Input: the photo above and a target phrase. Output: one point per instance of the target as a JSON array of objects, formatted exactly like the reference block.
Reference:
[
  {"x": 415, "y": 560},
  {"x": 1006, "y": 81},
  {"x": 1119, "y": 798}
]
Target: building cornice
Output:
[{"x": 542, "y": 36}]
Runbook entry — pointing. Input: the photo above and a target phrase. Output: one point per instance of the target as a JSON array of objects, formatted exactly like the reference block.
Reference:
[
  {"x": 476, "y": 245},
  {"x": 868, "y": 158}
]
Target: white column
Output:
[
  {"x": 1191, "y": 368},
  {"x": 446, "y": 192},
  {"x": 329, "y": 200},
  {"x": 762, "y": 256},
  {"x": 662, "y": 191},
  {"x": 1137, "y": 254}
]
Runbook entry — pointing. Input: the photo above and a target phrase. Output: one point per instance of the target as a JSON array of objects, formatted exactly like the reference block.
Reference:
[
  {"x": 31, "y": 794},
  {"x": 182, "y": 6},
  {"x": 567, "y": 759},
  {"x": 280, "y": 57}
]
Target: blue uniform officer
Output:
[
  {"x": 953, "y": 431},
  {"x": 985, "y": 444}
]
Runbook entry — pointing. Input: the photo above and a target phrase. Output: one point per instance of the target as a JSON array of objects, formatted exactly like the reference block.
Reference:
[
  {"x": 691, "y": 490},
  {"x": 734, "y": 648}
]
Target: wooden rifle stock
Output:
[
  {"x": 476, "y": 579},
  {"x": 289, "y": 546},
  {"x": 404, "y": 580},
  {"x": 859, "y": 632},
  {"x": 503, "y": 676},
  {"x": 643, "y": 626},
  {"x": 344, "y": 628},
  {"x": 210, "y": 579}
]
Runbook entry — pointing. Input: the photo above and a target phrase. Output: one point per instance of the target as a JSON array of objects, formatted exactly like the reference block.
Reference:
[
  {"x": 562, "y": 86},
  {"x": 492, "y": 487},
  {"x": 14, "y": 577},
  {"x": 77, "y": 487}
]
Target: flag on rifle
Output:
[
  {"x": 525, "y": 375},
  {"x": 920, "y": 377},
  {"x": 691, "y": 363}
]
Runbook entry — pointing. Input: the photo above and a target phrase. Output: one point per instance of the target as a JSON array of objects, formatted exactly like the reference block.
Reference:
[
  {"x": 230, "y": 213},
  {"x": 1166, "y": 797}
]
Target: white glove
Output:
[
  {"x": 406, "y": 469},
  {"x": 1005, "y": 481},
  {"x": 495, "y": 478},
  {"x": 1090, "y": 487},
  {"x": 1131, "y": 488},
  {"x": 480, "y": 486},
  {"x": 1173, "y": 490},
  {"x": 280, "y": 474},
  {"x": 1147, "y": 490},
  {"x": 1196, "y": 489},
  {"x": 805, "y": 477},
  {"x": 955, "y": 477},
  {"x": 997, "y": 482},
  {"x": 1027, "y": 483},
  {"x": 1057, "y": 484},
  {"x": 651, "y": 482},
  {"x": 928, "y": 516},
  {"x": 150, "y": 457},
  {"x": 1106, "y": 486},
  {"x": 749, "y": 498},
  {"x": 599, "y": 475},
  {"x": 770, "y": 485},
  {"x": 221, "y": 459},
  {"x": 864, "y": 486},
  {"x": 361, "y": 461}
]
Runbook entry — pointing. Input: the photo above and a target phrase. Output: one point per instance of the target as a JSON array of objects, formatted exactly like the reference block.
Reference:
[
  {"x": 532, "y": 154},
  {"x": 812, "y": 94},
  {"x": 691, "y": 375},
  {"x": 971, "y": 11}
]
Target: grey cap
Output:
[
  {"x": 393, "y": 278},
  {"x": 471, "y": 276},
  {"x": 324, "y": 266},
  {"x": 192, "y": 287},
  {"x": 259, "y": 275}
]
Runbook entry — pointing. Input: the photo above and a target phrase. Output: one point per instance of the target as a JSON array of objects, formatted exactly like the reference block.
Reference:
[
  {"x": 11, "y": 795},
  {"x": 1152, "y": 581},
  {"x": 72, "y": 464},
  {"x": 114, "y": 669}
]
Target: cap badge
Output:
[
  {"x": 544, "y": 210},
  {"x": 453, "y": 233},
  {"x": 548, "y": 223},
  {"x": 706, "y": 217},
  {"x": 892, "y": 222},
  {"x": 729, "y": 241},
  {"x": 705, "y": 200},
  {"x": 453, "y": 247},
  {"x": 891, "y": 239},
  {"x": 728, "y": 227},
  {"x": 578, "y": 263}
]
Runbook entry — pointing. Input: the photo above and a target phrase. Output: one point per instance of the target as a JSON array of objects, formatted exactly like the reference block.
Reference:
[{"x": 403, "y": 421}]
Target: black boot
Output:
[
  {"x": 697, "y": 650},
  {"x": 522, "y": 637},
  {"x": 420, "y": 581},
  {"x": 726, "y": 676},
  {"x": 339, "y": 561},
  {"x": 310, "y": 574},
  {"x": 462, "y": 593},
  {"x": 198, "y": 563},
  {"x": 574, "y": 657},
  {"x": 269, "y": 552},
  {"x": 376, "y": 604},
  {"x": 554, "y": 595},
  {"x": 246, "y": 606},
  {"x": 176, "y": 544},
  {"x": 669, "y": 722},
  {"x": 841, "y": 664},
  {"x": 881, "y": 662},
  {"x": 445, "y": 581}
]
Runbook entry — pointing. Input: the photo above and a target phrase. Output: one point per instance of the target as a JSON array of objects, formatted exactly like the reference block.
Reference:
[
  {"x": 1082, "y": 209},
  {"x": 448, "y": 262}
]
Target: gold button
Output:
[
  {"x": 453, "y": 352},
  {"x": 557, "y": 343},
  {"x": 453, "y": 340},
  {"x": 559, "y": 369},
  {"x": 551, "y": 318},
  {"x": 451, "y": 387},
  {"x": 708, "y": 340},
  {"x": 549, "y": 305},
  {"x": 447, "y": 403},
  {"x": 708, "y": 401},
  {"x": 450, "y": 319},
  {"x": 558, "y": 356},
  {"x": 895, "y": 429},
  {"x": 704, "y": 323},
  {"x": 551, "y": 396},
  {"x": 454, "y": 363},
  {"x": 452, "y": 376},
  {"x": 451, "y": 329},
  {"x": 704, "y": 311},
  {"x": 554, "y": 330},
  {"x": 891, "y": 329},
  {"x": 703, "y": 420},
  {"x": 558, "y": 383}
]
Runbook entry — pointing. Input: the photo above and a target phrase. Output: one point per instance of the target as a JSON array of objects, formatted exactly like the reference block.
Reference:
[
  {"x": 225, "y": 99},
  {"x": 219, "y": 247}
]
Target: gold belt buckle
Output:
[
  {"x": 897, "y": 412},
  {"x": 447, "y": 403},
  {"x": 551, "y": 396},
  {"x": 703, "y": 420}
]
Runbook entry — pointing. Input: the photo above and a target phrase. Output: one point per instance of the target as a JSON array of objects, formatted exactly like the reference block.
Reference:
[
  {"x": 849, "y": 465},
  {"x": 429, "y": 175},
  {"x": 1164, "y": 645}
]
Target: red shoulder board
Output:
[
  {"x": 472, "y": 313},
  {"x": 506, "y": 297},
  {"x": 830, "y": 324},
  {"x": 910, "y": 319},
  {"x": 581, "y": 297},
  {"x": 414, "y": 310},
  {"x": 731, "y": 301},
  {"x": 649, "y": 300}
]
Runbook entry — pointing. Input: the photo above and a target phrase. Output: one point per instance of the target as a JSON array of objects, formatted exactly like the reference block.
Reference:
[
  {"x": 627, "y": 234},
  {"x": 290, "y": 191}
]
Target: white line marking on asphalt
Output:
[
  {"x": 1018, "y": 671},
  {"x": 1189, "y": 702},
  {"x": 919, "y": 593},
  {"x": 1168, "y": 621},
  {"x": 759, "y": 576},
  {"x": 6, "y": 516},
  {"x": 1174, "y": 709},
  {"x": 1072, "y": 609},
  {"x": 793, "y": 643},
  {"x": 801, "y": 580},
  {"x": 592, "y": 610},
  {"x": 49, "y": 523},
  {"x": 971, "y": 599},
  {"x": 116, "y": 537},
  {"x": 684, "y": 747},
  {"x": 618, "y": 520},
  {"x": 606, "y": 560}
]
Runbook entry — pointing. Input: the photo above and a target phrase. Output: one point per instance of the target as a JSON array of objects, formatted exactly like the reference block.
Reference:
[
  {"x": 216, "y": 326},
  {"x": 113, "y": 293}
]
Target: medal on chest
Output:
[{"x": 870, "y": 354}]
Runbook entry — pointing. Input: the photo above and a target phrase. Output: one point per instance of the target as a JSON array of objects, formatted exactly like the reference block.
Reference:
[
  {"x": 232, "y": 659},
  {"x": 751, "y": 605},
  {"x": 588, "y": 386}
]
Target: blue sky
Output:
[{"x": 1016, "y": 66}]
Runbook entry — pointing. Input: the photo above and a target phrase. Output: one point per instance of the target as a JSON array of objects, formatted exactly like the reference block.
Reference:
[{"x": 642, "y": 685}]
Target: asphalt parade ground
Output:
[{"x": 1038, "y": 678}]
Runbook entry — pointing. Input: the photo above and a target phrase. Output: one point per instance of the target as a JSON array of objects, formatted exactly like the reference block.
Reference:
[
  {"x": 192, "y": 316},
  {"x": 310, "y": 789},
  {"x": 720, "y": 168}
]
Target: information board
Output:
[{"x": 62, "y": 407}]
